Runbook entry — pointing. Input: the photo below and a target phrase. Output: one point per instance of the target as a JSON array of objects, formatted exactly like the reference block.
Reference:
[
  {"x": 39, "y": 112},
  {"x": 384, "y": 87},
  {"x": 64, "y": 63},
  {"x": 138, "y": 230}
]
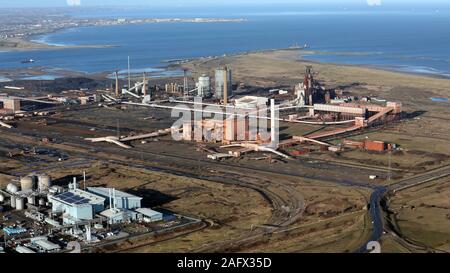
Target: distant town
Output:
[{"x": 18, "y": 27}]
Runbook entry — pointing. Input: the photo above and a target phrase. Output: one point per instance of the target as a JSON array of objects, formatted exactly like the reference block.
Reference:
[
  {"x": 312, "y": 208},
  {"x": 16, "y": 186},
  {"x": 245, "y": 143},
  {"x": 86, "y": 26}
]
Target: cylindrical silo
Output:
[
  {"x": 31, "y": 200},
  {"x": 223, "y": 81},
  {"x": 2, "y": 198},
  {"x": 13, "y": 201},
  {"x": 204, "y": 86},
  {"x": 44, "y": 182},
  {"x": 27, "y": 183},
  {"x": 11, "y": 188},
  {"x": 20, "y": 203}
]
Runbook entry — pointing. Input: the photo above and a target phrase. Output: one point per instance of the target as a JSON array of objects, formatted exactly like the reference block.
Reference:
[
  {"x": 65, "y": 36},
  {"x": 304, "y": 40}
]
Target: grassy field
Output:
[{"x": 423, "y": 213}]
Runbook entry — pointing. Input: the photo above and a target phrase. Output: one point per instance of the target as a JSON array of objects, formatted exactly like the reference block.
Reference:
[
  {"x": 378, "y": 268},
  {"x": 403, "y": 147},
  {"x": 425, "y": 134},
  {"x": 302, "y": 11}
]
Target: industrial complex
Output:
[
  {"x": 265, "y": 140},
  {"x": 52, "y": 214}
]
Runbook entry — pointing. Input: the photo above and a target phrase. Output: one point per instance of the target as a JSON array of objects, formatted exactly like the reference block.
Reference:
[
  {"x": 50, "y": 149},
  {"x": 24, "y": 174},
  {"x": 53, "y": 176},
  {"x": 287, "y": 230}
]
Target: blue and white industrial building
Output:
[
  {"x": 115, "y": 206},
  {"x": 120, "y": 199},
  {"x": 77, "y": 205}
]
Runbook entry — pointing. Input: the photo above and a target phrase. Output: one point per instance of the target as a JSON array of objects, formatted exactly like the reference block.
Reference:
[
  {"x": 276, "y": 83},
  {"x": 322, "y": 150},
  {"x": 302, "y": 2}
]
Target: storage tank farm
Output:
[{"x": 30, "y": 190}]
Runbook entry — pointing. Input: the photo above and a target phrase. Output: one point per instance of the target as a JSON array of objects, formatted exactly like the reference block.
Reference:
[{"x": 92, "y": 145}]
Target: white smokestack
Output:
[
  {"x": 273, "y": 125},
  {"x": 74, "y": 183},
  {"x": 115, "y": 200},
  {"x": 84, "y": 179},
  {"x": 110, "y": 199}
]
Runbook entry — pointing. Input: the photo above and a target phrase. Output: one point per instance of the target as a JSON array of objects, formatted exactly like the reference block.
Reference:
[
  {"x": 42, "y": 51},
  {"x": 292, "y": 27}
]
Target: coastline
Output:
[
  {"x": 27, "y": 43},
  {"x": 177, "y": 64},
  {"x": 305, "y": 52},
  {"x": 32, "y": 43}
]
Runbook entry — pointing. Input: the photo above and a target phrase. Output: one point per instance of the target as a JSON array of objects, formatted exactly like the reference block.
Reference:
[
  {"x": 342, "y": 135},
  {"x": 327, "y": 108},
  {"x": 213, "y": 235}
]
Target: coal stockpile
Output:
[{"x": 61, "y": 84}]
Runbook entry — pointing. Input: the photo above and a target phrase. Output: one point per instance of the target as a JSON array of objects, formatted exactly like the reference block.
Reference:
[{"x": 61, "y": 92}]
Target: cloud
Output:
[
  {"x": 374, "y": 2},
  {"x": 73, "y": 3}
]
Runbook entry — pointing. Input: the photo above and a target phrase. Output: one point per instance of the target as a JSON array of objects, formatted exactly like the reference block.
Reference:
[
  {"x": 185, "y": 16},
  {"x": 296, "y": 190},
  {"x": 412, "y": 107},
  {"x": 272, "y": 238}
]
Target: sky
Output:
[{"x": 405, "y": 4}]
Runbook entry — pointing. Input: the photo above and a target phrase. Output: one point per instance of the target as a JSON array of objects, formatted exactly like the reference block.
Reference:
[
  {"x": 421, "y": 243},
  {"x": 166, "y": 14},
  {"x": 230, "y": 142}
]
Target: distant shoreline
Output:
[
  {"x": 177, "y": 64},
  {"x": 28, "y": 43},
  {"x": 306, "y": 52}
]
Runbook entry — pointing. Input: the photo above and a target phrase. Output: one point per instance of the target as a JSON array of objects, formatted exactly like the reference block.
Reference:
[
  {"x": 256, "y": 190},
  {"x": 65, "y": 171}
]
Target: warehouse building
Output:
[
  {"x": 149, "y": 215},
  {"x": 12, "y": 104},
  {"x": 117, "y": 216},
  {"x": 44, "y": 244},
  {"x": 77, "y": 205},
  {"x": 120, "y": 199}
]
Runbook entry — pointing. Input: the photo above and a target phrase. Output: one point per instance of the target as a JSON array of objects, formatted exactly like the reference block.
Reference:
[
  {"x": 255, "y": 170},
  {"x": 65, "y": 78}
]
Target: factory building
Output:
[
  {"x": 77, "y": 205},
  {"x": 149, "y": 215},
  {"x": 117, "y": 216},
  {"x": 212, "y": 130},
  {"x": 24, "y": 250},
  {"x": 120, "y": 199},
  {"x": 344, "y": 110},
  {"x": 223, "y": 84},
  {"x": 11, "y": 104},
  {"x": 44, "y": 244}
]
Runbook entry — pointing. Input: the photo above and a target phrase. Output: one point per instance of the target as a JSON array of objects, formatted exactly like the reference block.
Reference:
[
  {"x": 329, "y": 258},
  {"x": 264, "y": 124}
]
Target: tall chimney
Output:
[
  {"x": 144, "y": 86},
  {"x": 117, "y": 84},
  {"x": 129, "y": 74},
  {"x": 185, "y": 84},
  {"x": 74, "y": 183},
  {"x": 84, "y": 179},
  {"x": 273, "y": 132},
  {"x": 110, "y": 199},
  {"x": 115, "y": 199},
  {"x": 225, "y": 87}
]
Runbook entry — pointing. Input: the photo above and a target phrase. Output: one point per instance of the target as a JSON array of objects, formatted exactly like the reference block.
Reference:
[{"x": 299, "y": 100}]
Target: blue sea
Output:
[{"x": 402, "y": 41}]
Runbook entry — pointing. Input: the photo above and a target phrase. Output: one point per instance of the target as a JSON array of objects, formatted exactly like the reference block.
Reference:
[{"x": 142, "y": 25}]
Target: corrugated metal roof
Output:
[
  {"x": 24, "y": 250},
  {"x": 105, "y": 192},
  {"x": 12, "y": 231},
  {"x": 47, "y": 245},
  {"x": 148, "y": 212}
]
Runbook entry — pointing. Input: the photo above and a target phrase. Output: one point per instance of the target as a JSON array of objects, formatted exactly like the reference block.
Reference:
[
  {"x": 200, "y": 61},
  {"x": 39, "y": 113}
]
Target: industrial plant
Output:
[
  {"x": 201, "y": 124},
  {"x": 39, "y": 216}
]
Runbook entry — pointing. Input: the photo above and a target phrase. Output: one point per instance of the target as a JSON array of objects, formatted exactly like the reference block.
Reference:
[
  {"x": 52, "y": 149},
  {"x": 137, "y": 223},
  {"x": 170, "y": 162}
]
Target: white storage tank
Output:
[
  {"x": 31, "y": 200},
  {"x": 20, "y": 204},
  {"x": 44, "y": 182},
  {"x": 42, "y": 202},
  {"x": 204, "y": 86},
  {"x": 11, "y": 188},
  {"x": 2, "y": 198},
  {"x": 27, "y": 183},
  {"x": 13, "y": 201}
]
